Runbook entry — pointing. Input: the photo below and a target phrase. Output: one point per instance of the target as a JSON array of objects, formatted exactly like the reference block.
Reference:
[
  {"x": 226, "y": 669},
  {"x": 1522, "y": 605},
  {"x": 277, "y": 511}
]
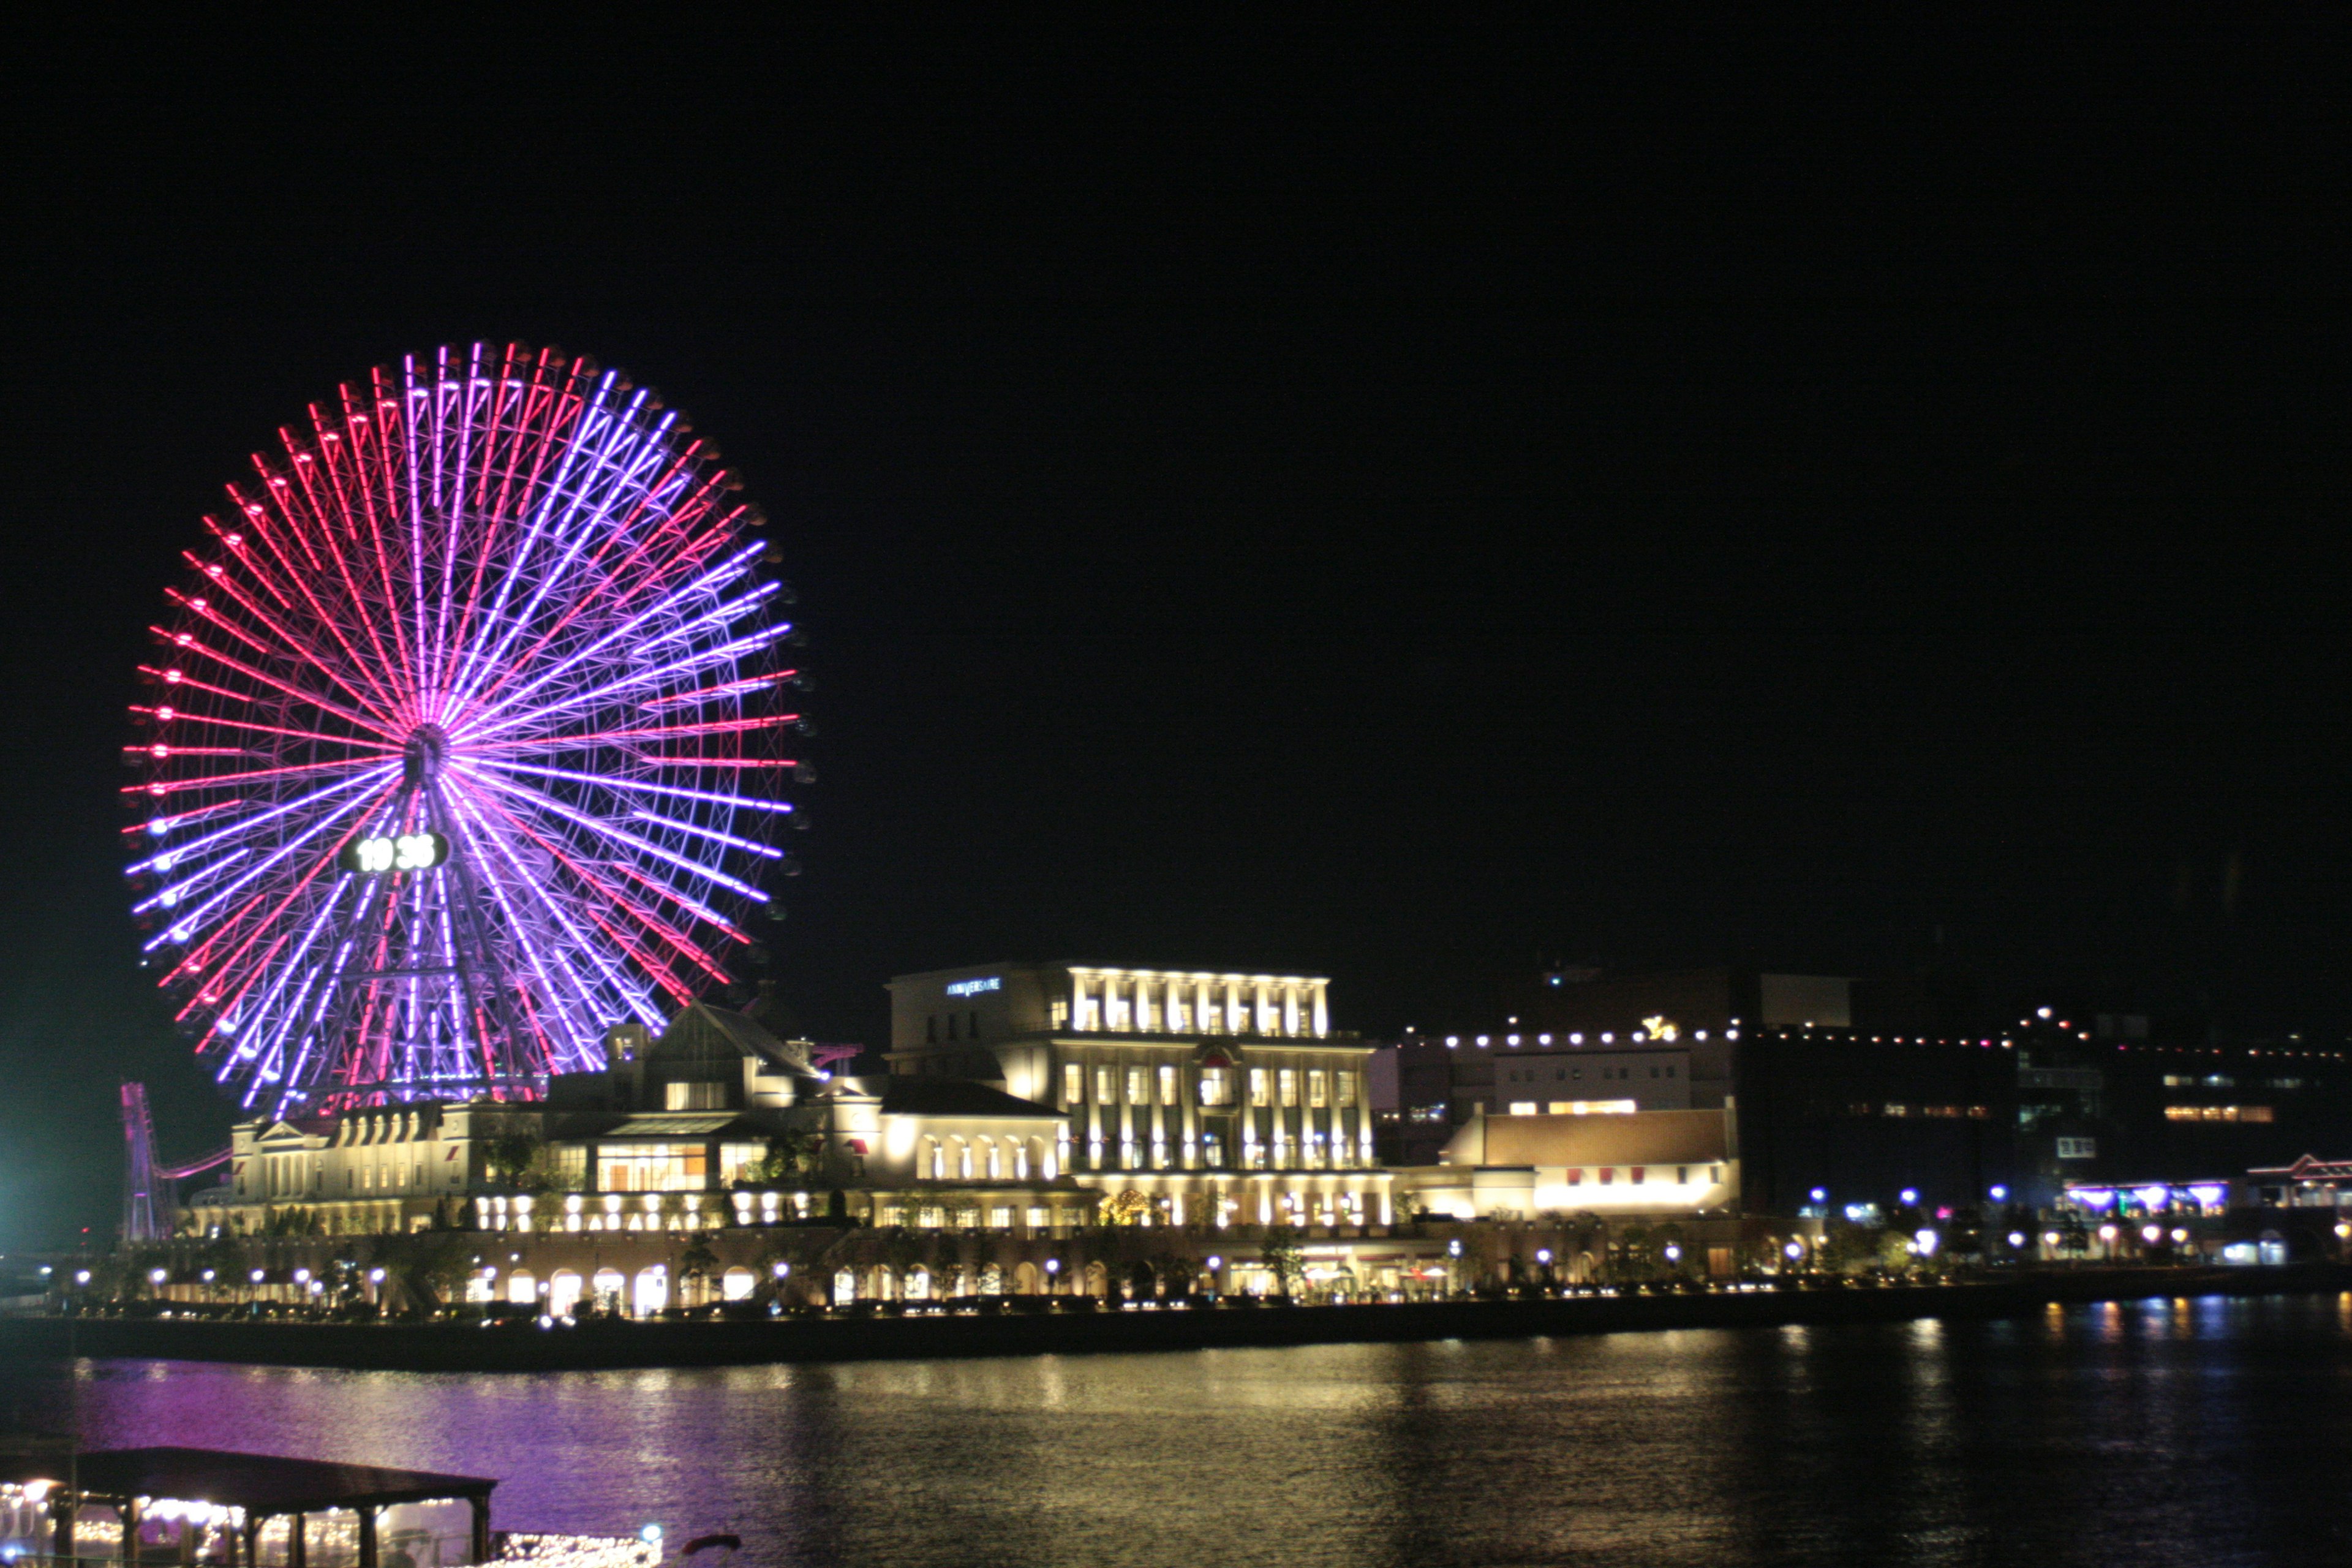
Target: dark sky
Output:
[{"x": 1409, "y": 507}]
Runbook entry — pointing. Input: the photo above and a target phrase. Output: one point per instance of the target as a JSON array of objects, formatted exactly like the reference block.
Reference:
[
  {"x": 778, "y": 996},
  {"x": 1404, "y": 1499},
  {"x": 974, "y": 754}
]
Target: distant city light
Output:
[{"x": 1910, "y": 1196}]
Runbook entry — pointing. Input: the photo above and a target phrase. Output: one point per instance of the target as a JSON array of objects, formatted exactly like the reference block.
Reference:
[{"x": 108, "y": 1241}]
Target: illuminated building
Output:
[
  {"x": 1217, "y": 1097},
  {"x": 1646, "y": 1162},
  {"x": 664, "y": 1140},
  {"x": 1826, "y": 1093}
]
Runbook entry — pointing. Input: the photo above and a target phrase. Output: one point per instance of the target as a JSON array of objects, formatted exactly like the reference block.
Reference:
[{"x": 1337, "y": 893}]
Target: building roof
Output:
[
  {"x": 258, "y": 1483},
  {"x": 957, "y": 1096},
  {"x": 700, "y": 1027},
  {"x": 676, "y": 1124}
]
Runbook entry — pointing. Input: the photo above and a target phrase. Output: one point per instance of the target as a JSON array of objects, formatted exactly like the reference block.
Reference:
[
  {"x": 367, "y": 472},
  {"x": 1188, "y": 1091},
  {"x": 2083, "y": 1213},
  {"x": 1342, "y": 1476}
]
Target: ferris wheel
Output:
[{"x": 468, "y": 738}]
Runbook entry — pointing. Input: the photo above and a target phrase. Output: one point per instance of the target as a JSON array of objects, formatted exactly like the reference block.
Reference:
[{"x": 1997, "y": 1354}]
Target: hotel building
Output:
[{"x": 1217, "y": 1097}]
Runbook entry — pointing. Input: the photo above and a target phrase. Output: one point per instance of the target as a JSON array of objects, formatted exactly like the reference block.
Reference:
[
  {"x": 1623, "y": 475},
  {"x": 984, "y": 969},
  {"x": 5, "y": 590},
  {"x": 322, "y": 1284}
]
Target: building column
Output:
[
  {"x": 1322, "y": 1013},
  {"x": 481, "y": 1506},
  {"x": 367, "y": 1536},
  {"x": 297, "y": 1541}
]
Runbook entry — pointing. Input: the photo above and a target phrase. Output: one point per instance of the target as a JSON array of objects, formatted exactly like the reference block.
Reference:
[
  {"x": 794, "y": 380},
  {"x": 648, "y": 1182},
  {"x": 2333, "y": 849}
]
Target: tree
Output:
[
  {"x": 698, "y": 1259},
  {"x": 1281, "y": 1252},
  {"x": 510, "y": 1149},
  {"x": 429, "y": 1266},
  {"x": 793, "y": 1158},
  {"x": 1127, "y": 1207}
]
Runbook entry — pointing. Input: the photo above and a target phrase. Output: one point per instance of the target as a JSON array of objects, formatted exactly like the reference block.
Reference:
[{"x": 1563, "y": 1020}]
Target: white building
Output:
[{"x": 1217, "y": 1097}]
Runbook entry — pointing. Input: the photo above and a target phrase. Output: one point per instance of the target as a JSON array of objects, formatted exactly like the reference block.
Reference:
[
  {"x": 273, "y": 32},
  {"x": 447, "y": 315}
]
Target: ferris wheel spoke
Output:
[
  {"x": 584, "y": 872},
  {"x": 481, "y": 709},
  {"x": 619, "y": 783},
  {"x": 187, "y": 642},
  {"x": 633, "y": 995},
  {"x": 614, "y": 586},
  {"x": 560, "y": 504},
  {"x": 619, "y": 836},
  {"x": 218, "y": 781},
  {"x": 622, "y": 901},
  {"x": 305, "y": 658},
  {"x": 302, "y": 530},
  {"x": 324, "y": 525},
  {"x": 180, "y": 932},
  {"x": 679, "y": 668}
]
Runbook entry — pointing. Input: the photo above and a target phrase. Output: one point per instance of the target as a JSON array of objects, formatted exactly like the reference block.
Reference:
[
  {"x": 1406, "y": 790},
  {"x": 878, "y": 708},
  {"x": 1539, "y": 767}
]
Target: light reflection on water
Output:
[{"x": 2158, "y": 1433}]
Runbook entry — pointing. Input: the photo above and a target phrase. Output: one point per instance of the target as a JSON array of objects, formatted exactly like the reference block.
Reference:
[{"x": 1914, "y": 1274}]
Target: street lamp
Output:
[{"x": 1910, "y": 1197}]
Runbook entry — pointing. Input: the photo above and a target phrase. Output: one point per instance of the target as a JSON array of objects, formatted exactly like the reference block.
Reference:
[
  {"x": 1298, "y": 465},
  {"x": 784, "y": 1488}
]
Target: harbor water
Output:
[{"x": 2159, "y": 1432}]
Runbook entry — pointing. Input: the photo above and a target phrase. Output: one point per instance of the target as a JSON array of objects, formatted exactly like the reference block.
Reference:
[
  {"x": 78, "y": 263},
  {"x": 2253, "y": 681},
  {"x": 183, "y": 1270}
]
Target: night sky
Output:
[{"x": 1413, "y": 508}]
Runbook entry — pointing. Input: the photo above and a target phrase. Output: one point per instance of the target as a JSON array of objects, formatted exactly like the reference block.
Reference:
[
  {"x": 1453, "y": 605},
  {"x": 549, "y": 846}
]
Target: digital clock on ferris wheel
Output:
[{"x": 398, "y": 852}]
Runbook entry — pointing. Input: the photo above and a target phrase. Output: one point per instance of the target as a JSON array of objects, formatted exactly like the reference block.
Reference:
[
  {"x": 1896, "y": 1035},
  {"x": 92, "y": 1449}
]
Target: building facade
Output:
[{"x": 1213, "y": 1097}]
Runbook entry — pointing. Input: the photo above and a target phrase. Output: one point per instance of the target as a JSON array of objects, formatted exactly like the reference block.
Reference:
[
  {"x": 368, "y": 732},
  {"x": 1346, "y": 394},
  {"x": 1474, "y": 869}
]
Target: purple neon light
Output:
[{"x": 526, "y": 554}]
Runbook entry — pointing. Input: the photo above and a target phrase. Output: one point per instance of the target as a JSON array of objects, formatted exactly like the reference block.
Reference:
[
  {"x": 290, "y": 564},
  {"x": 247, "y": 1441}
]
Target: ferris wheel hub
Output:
[{"x": 427, "y": 747}]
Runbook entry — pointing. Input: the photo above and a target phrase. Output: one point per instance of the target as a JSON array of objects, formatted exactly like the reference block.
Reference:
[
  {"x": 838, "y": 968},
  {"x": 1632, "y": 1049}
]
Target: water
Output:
[{"x": 2207, "y": 1432}]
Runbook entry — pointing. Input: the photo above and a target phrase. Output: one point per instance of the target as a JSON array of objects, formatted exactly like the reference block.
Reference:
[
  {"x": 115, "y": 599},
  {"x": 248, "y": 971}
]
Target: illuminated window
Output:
[
  {"x": 736, "y": 1159},
  {"x": 1213, "y": 1152},
  {"x": 1168, "y": 1089},
  {"x": 1000, "y": 1219},
  {"x": 1139, "y": 1086},
  {"x": 1216, "y": 1086},
  {"x": 1523, "y": 1108},
  {"x": 1287, "y": 1083},
  {"x": 1257, "y": 1087},
  {"x": 652, "y": 1167},
  {"x": 1345, "y": 1083},
  {"x": 1059, "y": 1015},
  {"x": 1107, "y": 1086},
  {"x": 1319, "y": 1091},
  {"x": 2078, "y": 1147},
  {"x": 1073, "y": 1083},
  {"x": 2218, "y": 1114}
]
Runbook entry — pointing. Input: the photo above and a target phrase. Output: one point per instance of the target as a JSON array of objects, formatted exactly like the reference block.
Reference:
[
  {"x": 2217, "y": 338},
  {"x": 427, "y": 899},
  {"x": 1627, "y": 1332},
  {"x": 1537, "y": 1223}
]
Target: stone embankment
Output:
[{"x": 472, "y": 1347}]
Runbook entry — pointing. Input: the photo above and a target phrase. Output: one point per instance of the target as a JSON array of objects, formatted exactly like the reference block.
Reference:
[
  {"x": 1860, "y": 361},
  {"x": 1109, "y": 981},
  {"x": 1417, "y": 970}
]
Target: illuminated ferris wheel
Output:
[{"x": 467, "y": 739}]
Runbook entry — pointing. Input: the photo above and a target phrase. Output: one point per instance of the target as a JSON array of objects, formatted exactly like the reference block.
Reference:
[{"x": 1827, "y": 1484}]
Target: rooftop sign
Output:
[{"x": 974, "y": 988}]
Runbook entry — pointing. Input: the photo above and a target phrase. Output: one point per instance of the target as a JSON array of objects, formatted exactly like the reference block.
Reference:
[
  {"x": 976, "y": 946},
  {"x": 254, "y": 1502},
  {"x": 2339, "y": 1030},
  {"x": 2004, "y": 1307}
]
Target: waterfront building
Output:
[
  {"x": 1660, "y": 1164},
  {"x": 716, "y": 1123},
  {"x": 1213, "y": 1097},
  {"x": 1828, "y": 1097}
]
